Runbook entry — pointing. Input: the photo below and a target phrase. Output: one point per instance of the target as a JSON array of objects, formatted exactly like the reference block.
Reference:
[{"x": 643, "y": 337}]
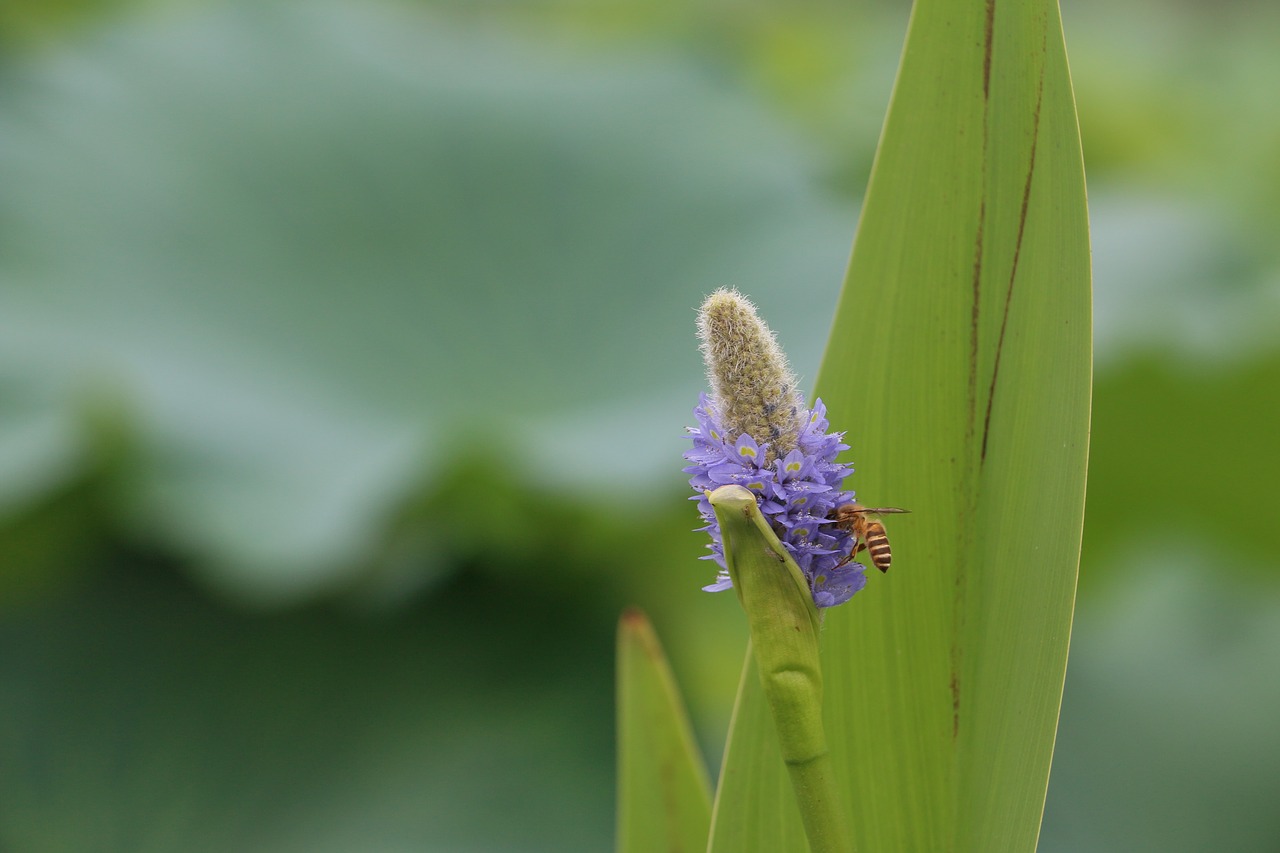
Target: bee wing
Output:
[{"x": 885, "y": 510}]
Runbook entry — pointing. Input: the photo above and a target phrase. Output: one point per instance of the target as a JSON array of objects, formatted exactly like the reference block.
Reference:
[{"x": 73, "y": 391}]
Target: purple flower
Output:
[{"x": 796, "y": 493}]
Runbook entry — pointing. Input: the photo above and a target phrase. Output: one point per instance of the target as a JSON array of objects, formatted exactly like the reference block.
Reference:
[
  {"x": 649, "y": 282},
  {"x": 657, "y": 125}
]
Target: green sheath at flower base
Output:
[
  {"x": 752, "y": 388},
  {"x": 784, "y": 625}
]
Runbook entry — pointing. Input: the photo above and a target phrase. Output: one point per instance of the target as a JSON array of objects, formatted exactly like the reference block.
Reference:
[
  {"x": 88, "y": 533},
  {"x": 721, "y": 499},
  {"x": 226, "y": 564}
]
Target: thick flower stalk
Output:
[
  {"x": 754, "y": 431},
  {"x": 784, "y": 624},
  {"x": 767, "y": 481}
]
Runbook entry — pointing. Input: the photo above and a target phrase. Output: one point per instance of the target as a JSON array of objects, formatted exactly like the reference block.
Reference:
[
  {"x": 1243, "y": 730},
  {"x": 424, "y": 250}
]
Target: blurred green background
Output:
[{"x": 345, "y": 351}]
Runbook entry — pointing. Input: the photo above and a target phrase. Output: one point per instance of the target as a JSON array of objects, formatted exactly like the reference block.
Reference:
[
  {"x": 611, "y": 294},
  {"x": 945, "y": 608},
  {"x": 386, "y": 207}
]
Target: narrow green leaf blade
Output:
[
  {"x": 964, "y": 378},
  {"x": 664, "y": 794},
  {"x": 960, "y": 366}
]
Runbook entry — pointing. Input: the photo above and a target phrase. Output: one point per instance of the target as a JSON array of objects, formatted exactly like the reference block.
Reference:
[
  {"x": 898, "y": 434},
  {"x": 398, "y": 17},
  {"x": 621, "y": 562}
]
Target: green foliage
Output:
[
  {"x": 140, "y": 715},
  {"x": 327, "y": 275},
  {"x": 960, "y": 363},
  {"x": 1168, "y": 732},
  {"x": 664, "y": 794},
  {"x": 307, "y": 248},
  {"x": 753, "y": 775},
  {"x": 420, "y": 715},
  {"x": 1225, "y": 461}
]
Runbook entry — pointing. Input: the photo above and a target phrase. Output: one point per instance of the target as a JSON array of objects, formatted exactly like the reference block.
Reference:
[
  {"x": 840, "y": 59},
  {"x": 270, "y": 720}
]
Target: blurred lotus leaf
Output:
[{"x": 305, "y": 253}]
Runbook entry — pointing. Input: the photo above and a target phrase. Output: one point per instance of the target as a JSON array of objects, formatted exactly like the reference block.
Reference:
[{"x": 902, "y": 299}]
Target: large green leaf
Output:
[
  {"x": 664, "y": 793},
  {"x": 311, "y": 248},
  {"x": 960, "y": 365}
]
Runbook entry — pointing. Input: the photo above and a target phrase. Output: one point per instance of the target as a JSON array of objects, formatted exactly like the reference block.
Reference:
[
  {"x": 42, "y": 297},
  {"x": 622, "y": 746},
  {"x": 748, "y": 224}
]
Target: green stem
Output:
[{"x": 784, "y": 626}]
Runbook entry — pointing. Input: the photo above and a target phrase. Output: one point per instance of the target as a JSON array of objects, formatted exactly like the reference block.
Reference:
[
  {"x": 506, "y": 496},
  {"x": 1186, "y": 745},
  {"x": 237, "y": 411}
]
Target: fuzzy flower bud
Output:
[
  {"x": 755, "y": 432},
  {"x": 752, "y": 388}
]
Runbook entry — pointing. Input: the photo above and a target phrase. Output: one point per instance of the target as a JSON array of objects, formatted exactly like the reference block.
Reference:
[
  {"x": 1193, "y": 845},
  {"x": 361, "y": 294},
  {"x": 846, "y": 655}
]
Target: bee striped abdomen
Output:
[{"x": 878, "y": 545}]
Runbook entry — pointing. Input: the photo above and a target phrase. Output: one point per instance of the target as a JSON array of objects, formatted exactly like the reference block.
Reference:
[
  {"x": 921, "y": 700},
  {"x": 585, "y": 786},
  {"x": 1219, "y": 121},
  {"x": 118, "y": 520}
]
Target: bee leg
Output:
[{"x": 858, "y": 545}]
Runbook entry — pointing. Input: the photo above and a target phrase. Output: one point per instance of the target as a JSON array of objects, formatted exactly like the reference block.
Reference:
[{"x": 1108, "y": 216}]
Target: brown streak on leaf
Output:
[
  {"x": 975, "y": 311},
  {"x": 988, "y": 31},
  {"x": 1013, "y": 272},
  {"x": 955, "y": 705}
]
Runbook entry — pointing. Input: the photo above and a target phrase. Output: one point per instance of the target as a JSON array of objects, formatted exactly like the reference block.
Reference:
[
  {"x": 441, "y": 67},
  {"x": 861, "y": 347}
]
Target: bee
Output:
[{"x": 867, "y": 531}]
